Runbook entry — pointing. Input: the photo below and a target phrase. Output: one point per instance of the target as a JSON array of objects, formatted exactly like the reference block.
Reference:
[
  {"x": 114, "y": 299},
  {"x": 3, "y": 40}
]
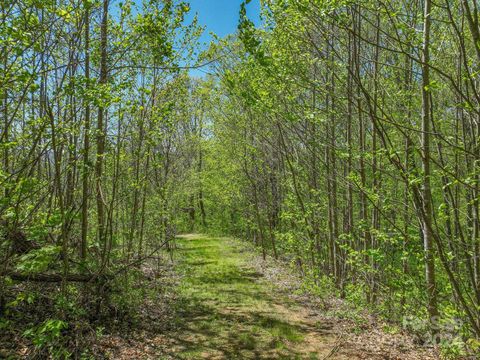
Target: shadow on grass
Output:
[
  {"x": 199, "y": 249},
  {"x": 201, "y": 263},
  {"x": 223, "y": 311},
  {"x": 205, "y": 329},
  {"x": 225, "y": 275}
]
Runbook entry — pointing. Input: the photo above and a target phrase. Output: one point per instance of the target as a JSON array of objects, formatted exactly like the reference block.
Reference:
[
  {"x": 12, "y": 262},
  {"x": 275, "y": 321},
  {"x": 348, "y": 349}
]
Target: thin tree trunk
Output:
[
  {"x": 101, "y": 136},
  {"x": 86, "y": 141},
  {"x": 426, "y": 190}
]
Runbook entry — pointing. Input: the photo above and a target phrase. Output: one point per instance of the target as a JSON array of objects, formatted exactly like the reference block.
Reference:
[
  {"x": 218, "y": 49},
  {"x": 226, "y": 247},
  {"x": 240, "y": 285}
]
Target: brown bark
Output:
[{"x": 426, "y": 190}]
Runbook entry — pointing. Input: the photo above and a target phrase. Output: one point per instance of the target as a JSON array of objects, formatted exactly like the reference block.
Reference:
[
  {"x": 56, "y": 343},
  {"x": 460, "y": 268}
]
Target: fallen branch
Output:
[{"x": 52, "y": 278}]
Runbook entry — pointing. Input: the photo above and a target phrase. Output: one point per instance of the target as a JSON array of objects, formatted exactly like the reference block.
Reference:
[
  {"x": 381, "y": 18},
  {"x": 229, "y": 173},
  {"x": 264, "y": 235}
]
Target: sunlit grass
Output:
[{"x": 224, "y": 302}]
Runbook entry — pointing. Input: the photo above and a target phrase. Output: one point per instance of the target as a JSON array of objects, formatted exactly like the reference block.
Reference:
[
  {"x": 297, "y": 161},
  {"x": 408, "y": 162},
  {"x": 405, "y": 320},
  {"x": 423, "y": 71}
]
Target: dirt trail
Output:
[
  {"x": 231, "y": 308},
  {"x": 229, "y": 304}
]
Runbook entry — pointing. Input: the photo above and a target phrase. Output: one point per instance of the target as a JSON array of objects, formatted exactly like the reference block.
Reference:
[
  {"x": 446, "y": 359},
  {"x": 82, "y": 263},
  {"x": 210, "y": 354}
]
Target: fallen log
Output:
[{"x": 52, "y": 278}]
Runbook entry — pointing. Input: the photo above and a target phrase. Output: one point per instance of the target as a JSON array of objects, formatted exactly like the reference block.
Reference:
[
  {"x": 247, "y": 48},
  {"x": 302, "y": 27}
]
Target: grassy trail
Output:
[{"x": 227, "y": 310}]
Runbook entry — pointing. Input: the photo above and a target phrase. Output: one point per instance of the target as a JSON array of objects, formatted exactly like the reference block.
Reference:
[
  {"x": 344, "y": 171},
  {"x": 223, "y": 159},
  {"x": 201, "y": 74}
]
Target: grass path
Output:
[
  {"x": 220, "y": 301},
  {"x": 226, "y": 310}
]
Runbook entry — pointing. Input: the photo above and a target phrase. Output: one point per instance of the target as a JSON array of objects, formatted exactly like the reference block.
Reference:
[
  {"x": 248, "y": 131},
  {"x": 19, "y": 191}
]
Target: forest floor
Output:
[{"x": 230, "y": 304}]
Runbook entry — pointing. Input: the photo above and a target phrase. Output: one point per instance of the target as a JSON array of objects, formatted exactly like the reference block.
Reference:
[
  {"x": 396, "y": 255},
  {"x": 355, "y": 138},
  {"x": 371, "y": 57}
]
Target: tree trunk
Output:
[
  {"x": 426, "y": 190},
  {"x": 101, "y": 130},
  {"x": 86, "y": 140}
]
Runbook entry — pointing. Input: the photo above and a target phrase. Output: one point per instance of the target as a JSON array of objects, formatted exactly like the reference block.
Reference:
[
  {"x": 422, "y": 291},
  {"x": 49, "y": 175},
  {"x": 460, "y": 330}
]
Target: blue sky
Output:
[{"x": 220, "y": 17}]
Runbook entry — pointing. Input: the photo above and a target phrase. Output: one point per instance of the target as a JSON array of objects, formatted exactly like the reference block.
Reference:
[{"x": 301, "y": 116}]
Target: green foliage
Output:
[
  {"x": 452, "y": 349},
  {"x": 24, "y": 297},
  {"x": 474, "y": 345},
  {"x": 38, "y": 260},
  {"x": 49, "y": 335},
  {"x": 319, "y": 285}
]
